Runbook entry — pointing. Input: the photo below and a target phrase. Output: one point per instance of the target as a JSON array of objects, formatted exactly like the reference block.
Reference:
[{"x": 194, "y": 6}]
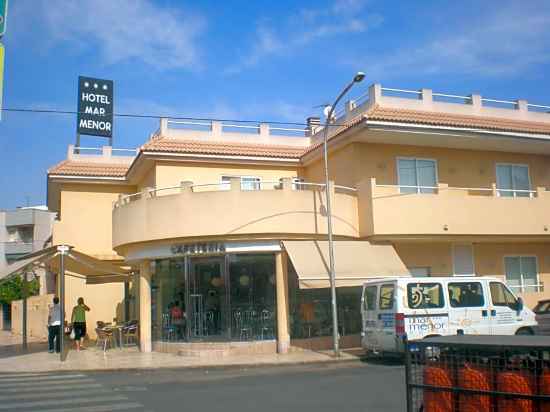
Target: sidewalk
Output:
[{"x": 37, "y": 359}]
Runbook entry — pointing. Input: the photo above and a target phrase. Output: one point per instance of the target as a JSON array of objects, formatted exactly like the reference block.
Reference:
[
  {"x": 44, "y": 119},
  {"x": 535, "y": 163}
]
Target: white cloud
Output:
[
  {"x": 498, "y": 43},
  {"x": 305, "y": 27},
  {"x": 120, "y": 30}
]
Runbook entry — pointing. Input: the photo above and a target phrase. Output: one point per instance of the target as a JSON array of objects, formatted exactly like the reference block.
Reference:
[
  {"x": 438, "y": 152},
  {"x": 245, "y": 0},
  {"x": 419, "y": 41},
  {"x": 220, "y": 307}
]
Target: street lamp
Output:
[{"x": 356, "y": 79}]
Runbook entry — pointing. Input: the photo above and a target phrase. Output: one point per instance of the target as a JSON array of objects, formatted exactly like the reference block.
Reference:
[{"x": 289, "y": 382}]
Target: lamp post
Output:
[{"x": 356, "y": 79}]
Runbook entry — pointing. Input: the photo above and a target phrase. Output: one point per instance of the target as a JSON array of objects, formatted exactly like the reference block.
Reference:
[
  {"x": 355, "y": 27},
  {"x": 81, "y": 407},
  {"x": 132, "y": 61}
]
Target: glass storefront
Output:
[
  {"x": 230, "y": 297},
  {"x": 311, "y": 310}
]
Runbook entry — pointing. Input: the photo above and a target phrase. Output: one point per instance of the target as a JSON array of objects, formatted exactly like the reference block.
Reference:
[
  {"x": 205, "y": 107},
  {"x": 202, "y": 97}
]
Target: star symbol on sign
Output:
[
  {"x": 104, "y": 87},
  {"x": 95, "y": 86},
  {"x": 86, "y": 84}
]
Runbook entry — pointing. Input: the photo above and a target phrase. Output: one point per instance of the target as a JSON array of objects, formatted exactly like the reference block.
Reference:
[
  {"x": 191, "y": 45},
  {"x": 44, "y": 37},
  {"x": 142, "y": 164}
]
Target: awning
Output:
[
  {"x": 355, "y": 262},
  {"x": 95, "y": 271},
  {"x": 30, "y": 260}
]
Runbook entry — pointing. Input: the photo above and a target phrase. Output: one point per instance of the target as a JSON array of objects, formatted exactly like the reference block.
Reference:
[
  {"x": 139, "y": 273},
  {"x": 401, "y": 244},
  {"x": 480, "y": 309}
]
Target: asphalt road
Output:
[{"x": 343, "y": 387}]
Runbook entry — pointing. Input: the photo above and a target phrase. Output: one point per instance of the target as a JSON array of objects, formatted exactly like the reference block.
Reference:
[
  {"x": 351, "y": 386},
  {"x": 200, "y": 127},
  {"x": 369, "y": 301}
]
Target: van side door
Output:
[
  {"x": 504, "y": 316},
  {"x": 427, "y": 312},
  {"x": 468, "y": 308}
]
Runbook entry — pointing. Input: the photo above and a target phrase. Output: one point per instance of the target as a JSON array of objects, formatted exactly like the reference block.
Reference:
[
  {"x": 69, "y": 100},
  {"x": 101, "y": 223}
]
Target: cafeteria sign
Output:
[{"x": 95, "y": 107}]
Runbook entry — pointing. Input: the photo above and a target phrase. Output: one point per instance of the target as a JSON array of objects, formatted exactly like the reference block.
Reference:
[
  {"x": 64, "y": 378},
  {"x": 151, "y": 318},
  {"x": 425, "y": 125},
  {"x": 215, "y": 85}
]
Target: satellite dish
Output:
[{"x": 327, "y": 110}]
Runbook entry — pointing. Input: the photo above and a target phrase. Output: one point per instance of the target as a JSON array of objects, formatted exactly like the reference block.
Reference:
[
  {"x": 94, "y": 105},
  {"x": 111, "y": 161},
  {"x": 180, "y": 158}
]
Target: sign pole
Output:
[
  {"x": 63, "y": 249},
  {"x": 25, "y": 291},
  {"x": 77, "y": 146}
]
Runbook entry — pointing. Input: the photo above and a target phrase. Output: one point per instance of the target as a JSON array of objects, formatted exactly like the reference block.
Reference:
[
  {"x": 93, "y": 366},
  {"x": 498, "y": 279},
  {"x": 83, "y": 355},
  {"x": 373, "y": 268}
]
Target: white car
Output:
[
  {"x": 414, "y": 308},
  {"x": 542, "y": 315}
]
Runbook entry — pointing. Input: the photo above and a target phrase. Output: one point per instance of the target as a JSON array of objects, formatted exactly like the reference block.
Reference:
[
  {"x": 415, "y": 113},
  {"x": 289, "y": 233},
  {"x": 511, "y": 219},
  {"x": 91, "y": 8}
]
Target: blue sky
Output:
[{"x": 260, "y": 60}]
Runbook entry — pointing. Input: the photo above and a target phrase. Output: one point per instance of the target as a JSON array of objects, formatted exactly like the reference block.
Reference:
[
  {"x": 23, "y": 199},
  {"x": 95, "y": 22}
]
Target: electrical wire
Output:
[{"x": 156, "y": 116}]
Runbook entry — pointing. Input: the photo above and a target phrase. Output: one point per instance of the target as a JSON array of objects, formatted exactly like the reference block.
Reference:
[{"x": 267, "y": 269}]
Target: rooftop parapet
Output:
[
  {"x": 428, "y": 100},
  {"x": 233, "y": 132},
  {"x": 104, "y": 154}
]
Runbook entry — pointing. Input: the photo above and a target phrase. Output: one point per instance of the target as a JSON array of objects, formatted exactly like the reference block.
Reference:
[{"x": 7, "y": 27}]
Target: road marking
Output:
[
  {"x": 70, "y": 401},
  {"x": 58, "y": 382},
  {"x": 32, "y": 388},
  {"x": 44, "y": 395},
  {"x": 99, "y": 408},
  {"x": 40, "y": 378}
]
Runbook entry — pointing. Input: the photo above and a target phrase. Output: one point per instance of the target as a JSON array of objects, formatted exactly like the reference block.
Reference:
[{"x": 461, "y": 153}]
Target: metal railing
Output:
[
  {"x": 416, "y": 94},
  {"x": 229, "y": 127},
  {"x": 499, "y": 192},
  {"x": 245, "y": 186}
]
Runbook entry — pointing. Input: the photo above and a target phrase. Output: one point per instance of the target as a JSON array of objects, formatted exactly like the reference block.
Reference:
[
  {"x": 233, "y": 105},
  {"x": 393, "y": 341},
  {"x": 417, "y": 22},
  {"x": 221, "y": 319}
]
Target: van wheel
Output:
[{"x": 525, "y": 331}]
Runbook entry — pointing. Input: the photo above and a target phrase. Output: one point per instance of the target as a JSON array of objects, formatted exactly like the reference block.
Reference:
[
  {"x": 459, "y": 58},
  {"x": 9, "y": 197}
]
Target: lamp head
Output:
[{"x": 359, "y": 77}]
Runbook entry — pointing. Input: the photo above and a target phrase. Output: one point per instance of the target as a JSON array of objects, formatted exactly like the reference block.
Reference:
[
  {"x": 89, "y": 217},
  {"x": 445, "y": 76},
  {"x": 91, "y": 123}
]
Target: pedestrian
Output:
[
  {"x": 78, "y": 320},
  {"x": 54, "y": 326}
]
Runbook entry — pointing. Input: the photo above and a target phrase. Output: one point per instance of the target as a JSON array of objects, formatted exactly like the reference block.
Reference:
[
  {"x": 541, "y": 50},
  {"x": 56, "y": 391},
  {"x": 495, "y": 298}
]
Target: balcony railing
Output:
[
  {"x": 227, "y": 210},
  {"x": 393, "y": 210}
]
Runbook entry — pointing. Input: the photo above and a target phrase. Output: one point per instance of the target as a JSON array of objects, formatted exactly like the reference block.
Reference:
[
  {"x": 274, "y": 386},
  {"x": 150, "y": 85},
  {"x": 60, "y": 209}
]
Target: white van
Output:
[{"x": 395, "y": 308}]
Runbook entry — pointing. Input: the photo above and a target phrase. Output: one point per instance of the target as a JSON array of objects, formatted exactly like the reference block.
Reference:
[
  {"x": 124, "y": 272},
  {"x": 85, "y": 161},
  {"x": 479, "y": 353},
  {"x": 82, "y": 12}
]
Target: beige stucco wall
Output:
[
  {"x": 457, "y": 168},
  {"x": 172, "y": 174},
  {"x": 488, "y": 260},
  {"x": 106, "y": 301},
  {"x": 37, "y": 316},
  {"x": 85, "y": 219},
  {"x": 452, "y": 212},
  {"x": 232, "y": 213}
]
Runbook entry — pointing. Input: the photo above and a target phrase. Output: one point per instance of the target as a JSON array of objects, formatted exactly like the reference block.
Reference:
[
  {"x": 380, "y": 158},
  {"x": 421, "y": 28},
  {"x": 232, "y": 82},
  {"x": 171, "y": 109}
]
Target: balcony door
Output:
[
  {"x": 513, "y": 180},
  {"x": 416, "y": 175}
]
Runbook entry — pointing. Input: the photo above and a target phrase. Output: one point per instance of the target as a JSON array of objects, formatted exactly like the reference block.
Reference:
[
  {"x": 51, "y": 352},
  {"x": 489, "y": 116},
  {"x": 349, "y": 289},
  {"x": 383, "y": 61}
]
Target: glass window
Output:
[
  {"x": 521, "y": 273},
  {"x": 311, "y": 309},
  {"x": 466, "y": 295},
  {"x": 252, "y": 297},
  {"x": 168, "y": 300},
  {"x": 425, "y": 295},
  {"x": 420, "y": 271},
  {"x": 542, "y": 307},
  {"x": 370, "y": 297},
  {"x": 513, "y": 180},
  {"x": 386, "y": 297},
  {"x": 417, "y": 175},
  {"x": 247, "y": 182},
  {"x": 501, "y": 296}
]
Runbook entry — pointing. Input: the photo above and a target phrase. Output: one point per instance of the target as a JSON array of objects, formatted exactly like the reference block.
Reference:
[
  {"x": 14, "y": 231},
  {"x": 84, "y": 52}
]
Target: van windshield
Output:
[{"x": 425, "y": 295}]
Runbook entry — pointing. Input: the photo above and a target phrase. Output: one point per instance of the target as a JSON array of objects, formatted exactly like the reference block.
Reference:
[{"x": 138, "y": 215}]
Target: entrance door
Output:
[{"x": 207, "y": 299}]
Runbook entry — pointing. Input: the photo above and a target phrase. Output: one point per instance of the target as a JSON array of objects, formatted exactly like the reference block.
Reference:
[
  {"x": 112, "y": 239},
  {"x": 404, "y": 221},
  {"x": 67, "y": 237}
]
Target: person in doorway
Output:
[
  {"x": 78, "y": 320},
  {"x": 54, "y": 326}
]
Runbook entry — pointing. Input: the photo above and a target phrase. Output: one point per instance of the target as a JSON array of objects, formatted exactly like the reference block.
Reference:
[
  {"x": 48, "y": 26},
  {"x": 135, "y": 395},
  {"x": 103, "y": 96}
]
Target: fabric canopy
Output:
[
  {"x": 95, "y": 271},
  {"x": 355, "y": 262},
  {"x": 27, "y": 261}
]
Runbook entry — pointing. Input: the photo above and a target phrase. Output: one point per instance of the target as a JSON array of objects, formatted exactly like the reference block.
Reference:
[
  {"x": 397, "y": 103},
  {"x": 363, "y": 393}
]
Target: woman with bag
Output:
[{"x": 78, "y": 320}]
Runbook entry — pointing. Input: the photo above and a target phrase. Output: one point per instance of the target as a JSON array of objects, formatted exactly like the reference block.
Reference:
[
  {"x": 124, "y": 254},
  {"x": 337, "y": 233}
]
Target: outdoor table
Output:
[{"x": 119, "y": 329}]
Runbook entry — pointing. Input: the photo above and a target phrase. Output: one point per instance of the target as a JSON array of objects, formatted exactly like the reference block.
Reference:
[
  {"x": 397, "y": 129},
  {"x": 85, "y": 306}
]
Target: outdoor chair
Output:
[
  {"x": 130, "y": 333},
  {"x": 104, "y": 338}
]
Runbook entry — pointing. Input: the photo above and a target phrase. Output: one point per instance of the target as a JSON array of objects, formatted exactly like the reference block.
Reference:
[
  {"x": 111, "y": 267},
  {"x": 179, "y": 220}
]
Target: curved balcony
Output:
[{"x": 271, "y": 210}]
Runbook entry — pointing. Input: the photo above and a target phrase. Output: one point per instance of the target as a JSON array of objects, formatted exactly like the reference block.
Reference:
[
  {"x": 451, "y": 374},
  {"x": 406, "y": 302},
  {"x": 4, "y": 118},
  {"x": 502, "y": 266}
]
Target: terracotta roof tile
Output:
[
  {"x": 67, "y": 167},
  {"x": 164, "y": 144},
  {"x": 457, "y": 120}
]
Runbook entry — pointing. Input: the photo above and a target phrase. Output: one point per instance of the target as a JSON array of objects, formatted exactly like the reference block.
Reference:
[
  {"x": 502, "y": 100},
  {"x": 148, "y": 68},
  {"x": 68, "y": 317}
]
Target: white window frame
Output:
[
  {"x": 514, "y": 192},
  {"x": 522, "y": 286},
  {"x": 226, "y": 185},
  {"x": 418, "y": 188},
  {"x": 473, "y": 260}
]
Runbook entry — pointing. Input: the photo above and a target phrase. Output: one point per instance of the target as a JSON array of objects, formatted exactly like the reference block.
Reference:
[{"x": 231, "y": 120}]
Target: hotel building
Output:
[{"x": 224, "y": 225}]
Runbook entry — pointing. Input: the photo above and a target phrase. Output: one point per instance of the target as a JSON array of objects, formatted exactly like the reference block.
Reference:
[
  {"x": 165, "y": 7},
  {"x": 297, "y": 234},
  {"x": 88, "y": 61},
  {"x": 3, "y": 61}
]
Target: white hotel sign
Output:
[{"x": 95, "y": 107}]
